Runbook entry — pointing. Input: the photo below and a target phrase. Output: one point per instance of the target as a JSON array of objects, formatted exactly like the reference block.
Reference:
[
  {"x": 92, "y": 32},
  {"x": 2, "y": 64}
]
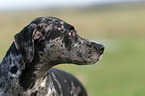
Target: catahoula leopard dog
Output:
[{"x": 26, "y": 69}]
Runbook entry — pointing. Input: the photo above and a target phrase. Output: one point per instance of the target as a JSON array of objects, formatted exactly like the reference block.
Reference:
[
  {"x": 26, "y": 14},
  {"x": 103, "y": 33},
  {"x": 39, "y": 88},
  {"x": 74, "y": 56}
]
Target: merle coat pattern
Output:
[{"x": 26, "y": 69}]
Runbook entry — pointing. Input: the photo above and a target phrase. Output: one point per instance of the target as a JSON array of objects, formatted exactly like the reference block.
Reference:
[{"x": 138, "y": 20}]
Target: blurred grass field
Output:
[{"x": 121, "y": 70}]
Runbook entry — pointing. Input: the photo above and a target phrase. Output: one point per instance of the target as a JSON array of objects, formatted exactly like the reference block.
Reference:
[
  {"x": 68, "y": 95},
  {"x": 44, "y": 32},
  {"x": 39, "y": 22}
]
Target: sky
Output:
[{"x": 33, "y": 4}]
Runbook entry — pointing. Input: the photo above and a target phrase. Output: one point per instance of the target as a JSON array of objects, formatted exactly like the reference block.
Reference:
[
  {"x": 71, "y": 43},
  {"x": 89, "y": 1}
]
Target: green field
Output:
[{"x": 121, "y": 70}]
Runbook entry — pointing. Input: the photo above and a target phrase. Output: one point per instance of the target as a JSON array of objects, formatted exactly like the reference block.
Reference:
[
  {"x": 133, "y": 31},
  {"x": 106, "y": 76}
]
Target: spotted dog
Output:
[{"x": 26, "y": 69}]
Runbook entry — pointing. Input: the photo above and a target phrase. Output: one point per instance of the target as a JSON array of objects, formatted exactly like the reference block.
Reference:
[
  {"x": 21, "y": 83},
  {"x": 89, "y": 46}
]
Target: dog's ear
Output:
[{"x": 24, "y": 41}]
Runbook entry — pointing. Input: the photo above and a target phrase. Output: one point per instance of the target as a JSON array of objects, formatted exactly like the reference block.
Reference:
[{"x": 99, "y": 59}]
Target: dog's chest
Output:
[
  {"x": 47, "y": 87},
  {"x": 44, "y": 87}
]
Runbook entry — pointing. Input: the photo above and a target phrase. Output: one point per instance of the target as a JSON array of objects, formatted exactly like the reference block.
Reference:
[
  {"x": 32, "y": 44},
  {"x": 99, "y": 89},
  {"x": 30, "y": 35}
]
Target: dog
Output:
[{"x": 26, "y": 69}]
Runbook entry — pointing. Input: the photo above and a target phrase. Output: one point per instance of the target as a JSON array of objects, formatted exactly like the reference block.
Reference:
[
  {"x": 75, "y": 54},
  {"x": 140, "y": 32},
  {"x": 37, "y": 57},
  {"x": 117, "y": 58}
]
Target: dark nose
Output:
[{"x": 99, "y": 47}]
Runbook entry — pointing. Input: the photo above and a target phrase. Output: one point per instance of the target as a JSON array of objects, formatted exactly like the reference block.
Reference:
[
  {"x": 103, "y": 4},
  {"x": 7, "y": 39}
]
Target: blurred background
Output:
[{"x": 118, "y": 24}]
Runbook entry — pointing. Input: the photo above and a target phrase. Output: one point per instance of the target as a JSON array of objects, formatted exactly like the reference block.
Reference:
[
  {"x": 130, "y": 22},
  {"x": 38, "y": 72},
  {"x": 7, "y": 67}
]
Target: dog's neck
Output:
[
  {"x": 14, "y": 73},
  {"x": 33, "y": 73}
]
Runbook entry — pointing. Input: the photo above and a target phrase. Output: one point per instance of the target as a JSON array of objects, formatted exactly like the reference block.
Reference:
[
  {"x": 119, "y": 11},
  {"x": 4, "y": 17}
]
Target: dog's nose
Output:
[{"x": 100, "y": 48}]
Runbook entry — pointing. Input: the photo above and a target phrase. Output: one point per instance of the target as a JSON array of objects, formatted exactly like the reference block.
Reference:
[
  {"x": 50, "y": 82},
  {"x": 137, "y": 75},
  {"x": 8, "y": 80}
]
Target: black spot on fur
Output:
[
  {"x": 32, "y": 86},
  {"x": 11, "y": 77},
  {"x": 34, "y": 93},
  {"x": 10, "y": 61},
  {"x": 55, "y": 34},
  {"x": 2, "y": 84},
  {"x": 52, "y": 46},
  {"x": 6, "y": 90},
  {"x": 79, "y": 54},
  {"x": 0, "y": 74},
  {"x": 67, "y": 43},
  {"x": 76, "y": 38},
  {"x": 14, "y": 69}
]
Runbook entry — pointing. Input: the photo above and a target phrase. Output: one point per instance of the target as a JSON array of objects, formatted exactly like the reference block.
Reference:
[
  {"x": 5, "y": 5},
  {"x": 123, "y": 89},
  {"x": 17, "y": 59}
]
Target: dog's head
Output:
[{"x": 56, "y": 41}]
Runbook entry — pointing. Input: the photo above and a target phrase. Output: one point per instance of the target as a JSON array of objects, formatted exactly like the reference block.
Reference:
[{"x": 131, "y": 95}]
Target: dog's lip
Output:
[
  {"x": 92, "y": 63},
  {"x": 98, "y": 59}
]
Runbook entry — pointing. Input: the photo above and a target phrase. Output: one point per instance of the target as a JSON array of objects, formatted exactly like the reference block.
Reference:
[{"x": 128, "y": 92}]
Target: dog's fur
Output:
[{"x": 26, "y": 69}]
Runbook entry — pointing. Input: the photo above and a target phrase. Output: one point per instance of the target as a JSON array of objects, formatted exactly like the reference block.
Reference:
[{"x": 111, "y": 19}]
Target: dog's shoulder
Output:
[
  {"x": 66, "y": 83},
  {"x": 62, "y": 75}
]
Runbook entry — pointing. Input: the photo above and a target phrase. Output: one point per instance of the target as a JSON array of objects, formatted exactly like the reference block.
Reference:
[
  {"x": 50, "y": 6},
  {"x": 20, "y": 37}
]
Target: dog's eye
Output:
[{"x": 71, "y": 33}]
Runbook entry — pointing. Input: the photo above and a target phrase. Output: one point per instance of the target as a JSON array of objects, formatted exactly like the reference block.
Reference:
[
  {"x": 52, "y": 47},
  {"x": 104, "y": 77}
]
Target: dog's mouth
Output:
[
  {"x": 95, "y": 58},
  {"x": 98, "y": 59}
]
